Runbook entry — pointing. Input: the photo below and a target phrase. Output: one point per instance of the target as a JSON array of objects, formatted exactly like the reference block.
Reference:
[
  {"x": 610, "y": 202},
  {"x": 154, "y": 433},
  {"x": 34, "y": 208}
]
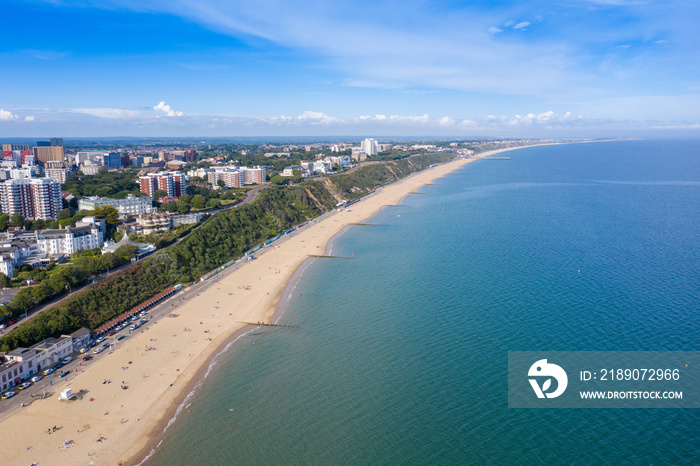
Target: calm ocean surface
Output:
[{"x": 401, "y": 355}]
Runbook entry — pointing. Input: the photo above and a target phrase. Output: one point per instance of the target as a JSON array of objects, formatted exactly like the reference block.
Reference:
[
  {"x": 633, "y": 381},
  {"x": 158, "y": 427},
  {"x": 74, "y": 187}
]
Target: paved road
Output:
[
  {"x": 251, "y": 194},
  {"x": 54, "y": 384}
]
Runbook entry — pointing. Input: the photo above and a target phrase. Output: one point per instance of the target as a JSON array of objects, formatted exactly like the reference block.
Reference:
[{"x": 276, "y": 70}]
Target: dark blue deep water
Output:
[{"x": 401, "y": 355}]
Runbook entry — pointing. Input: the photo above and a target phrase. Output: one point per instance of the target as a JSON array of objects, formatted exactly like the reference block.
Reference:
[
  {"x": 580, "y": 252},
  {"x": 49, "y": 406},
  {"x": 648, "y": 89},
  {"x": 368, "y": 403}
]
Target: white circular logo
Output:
[{"x": 543, "y": 370}]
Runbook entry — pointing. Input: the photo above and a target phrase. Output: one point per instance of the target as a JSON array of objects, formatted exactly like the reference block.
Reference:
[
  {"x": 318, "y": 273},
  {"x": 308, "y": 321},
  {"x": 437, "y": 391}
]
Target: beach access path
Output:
[{"x": 163, "y": 360}]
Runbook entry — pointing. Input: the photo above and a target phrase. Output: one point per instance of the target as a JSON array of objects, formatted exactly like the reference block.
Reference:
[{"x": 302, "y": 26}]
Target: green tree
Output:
[
  {"x": 39, "y": 224},
  {"x": 213, "y": 204},
  {"x": 158, "y": 193},
  {"x": 3, "y": 280},
  {"x": 22, "y": 302},
  {"x": 183, "y": 207},
  {"x": 170, "y": 207},
  {"x": 108, "y": 213},
  {"x": 16, "y": 220},
  {"x": 278, "y": 179},
  {"x": 221, "y": 183},
  {"x": 186, "y": 198},
  {"x": 57, "y": 282},
  {"x": 41, "y": 293},
  {"x": 126, "y": 252},
  {"x": 199, "y": 201},
  {"x": 64, "y": 214},
  {"x": 4, "y": 221}
]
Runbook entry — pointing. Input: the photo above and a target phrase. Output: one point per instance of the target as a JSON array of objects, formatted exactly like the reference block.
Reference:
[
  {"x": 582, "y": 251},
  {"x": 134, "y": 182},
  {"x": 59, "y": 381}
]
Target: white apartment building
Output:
[
  {"x": 132, "y": 205},
  {"x": 341, "y": 161},
  {"x": 255, "y": 175},
  {"x": 21, "y": 173},
  {"x": 59, "y": 174},
  {"x": 10, "y": 254},
  {"x": 34, "y": 198},
  {"x": 89, "y": 169},
  {"x": 369, "y": 147},
  {"x": 318, "y": 167},
  {"x": 231, "y": 178}
]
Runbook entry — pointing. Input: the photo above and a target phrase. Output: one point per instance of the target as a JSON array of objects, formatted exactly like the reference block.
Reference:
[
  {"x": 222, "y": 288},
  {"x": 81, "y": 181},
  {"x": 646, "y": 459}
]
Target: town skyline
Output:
[{"x": 214, "y": 68}]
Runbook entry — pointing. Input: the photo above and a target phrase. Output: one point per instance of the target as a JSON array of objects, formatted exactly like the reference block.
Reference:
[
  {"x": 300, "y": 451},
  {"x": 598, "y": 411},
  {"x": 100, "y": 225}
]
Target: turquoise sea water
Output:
[{"x": 401, "y": 355}]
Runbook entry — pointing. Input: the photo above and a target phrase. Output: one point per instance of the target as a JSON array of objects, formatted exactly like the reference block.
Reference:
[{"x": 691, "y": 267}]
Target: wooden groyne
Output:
[
  {"x": 496, "y": 158},
  {"x": 332, "y": 257},
  {"x": 369, "y": 224},
  {"x": 263, "y": 324}
]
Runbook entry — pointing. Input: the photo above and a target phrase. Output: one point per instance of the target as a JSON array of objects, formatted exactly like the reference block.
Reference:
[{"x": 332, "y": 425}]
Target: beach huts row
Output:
[{"x": 146, "y": 305}]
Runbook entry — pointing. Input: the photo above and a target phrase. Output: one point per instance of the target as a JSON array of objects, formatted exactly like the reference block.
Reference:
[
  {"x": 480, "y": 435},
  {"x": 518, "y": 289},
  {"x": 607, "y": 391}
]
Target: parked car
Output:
[
  {"x": 121, "y": 337},
  {"x": 48, "y": 371},
  {"x": 63, "y": 374},
  {"x": 7, "y": 395},
  {"x": 98, "y": 350},
  {"x": 36, "y": 378},
  {"x": 87, "y": 358},
  {"x": 83, "y": 350},
  {"x": 100, "y": 340},
  {"x": 25, "y": 385},
  {"x": 58, "y": 365},
  {"x": 67, "y": 359}
]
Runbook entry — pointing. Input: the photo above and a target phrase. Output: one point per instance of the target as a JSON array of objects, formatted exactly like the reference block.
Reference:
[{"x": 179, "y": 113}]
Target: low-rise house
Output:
[
  {"x": 147, "y": 224},
  {"x": 52, "y": 350},
  {"x": 81, "y": 339},
  {"x": 40, "y": 356},
  {"x": 14, "y": 370},
  {"x": 289, "y": 171}
]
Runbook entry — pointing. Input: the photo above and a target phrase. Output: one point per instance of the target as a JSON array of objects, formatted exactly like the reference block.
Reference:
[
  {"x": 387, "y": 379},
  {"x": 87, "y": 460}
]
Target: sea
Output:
[{"x": 401, "y": 351}]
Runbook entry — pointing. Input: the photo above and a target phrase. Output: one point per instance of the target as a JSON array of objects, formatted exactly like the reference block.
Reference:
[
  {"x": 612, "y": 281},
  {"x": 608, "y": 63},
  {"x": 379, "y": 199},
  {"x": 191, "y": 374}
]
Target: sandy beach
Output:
[{"x": 165, "y": 359}]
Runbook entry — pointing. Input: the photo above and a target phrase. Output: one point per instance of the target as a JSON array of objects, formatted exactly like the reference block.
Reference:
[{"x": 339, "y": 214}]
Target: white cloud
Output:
[
  {"x": 317, "y": 117},
  {"x": 167, "y": 110},
  {"x": 494, "y": 30},
  {"x": 522, "y": 24},
  {"x": 111, "y": 113},
  {"x": 6, "y": 115},
  {"x": 545, "y": 119}
]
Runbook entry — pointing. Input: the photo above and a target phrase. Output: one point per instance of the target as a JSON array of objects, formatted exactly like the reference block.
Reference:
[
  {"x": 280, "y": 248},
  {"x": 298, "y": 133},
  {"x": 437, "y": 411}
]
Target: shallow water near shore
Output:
[{"x": 401, "y": 351}]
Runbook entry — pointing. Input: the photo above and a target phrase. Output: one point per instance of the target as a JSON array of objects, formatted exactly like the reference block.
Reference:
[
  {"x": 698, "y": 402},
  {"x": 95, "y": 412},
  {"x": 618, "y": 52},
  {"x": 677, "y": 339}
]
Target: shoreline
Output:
[{"x": 136, "y": 420}]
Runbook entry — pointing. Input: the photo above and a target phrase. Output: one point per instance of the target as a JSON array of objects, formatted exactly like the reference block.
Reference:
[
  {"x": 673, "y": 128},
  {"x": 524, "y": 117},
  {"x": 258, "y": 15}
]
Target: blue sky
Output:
[{"x": 511, "y": 68}]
